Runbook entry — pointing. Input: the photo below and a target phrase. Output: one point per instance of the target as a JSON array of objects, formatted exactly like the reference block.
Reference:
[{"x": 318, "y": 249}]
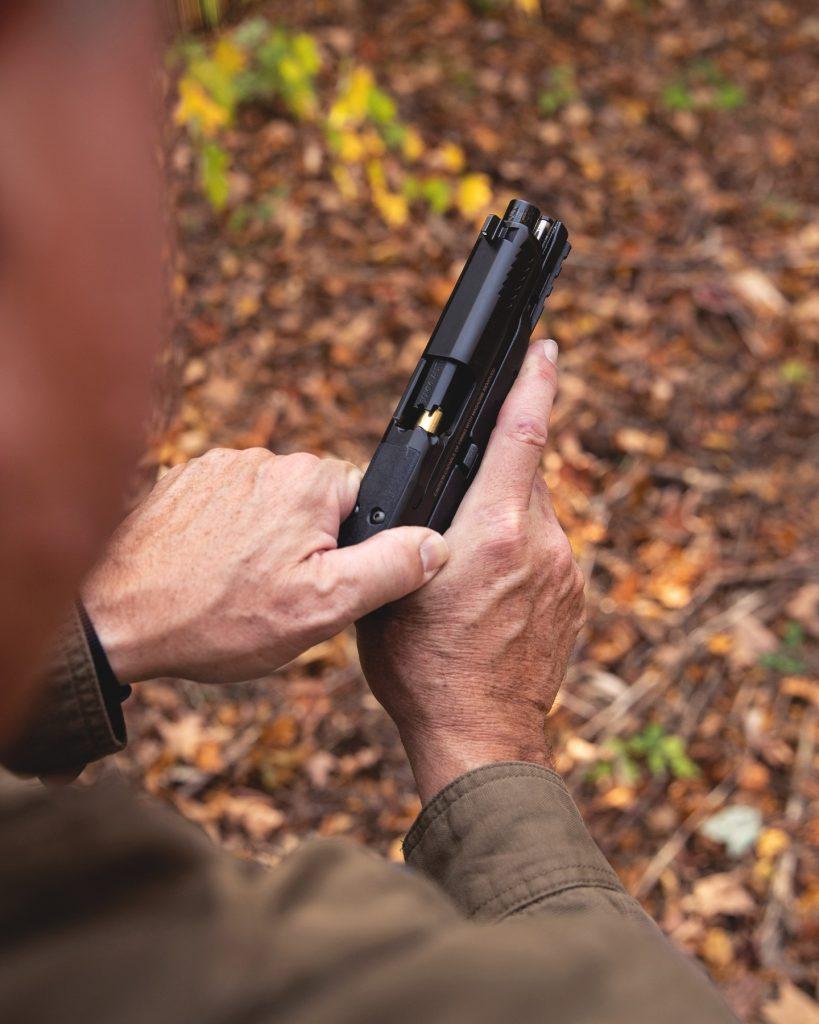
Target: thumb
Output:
[{"x": 384, "y": 568}]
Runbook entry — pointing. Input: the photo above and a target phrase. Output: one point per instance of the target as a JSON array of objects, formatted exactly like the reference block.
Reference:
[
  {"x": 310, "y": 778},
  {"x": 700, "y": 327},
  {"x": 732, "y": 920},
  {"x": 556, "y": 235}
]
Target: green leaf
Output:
[
  {"x": 214, "y": 168},
  {"x": 560, "y": 91},
  {"x": 438, "y": 193},
  {"x": 240, "y": 217},
  {"x": 677, "y": 97},
  {"x": 411, "y": 188},
  {"x": 306, "y": 52},
  {"x": 729, "y": 96},
  {"x": 219, "y": 84},
  {"x": 393, "y": 134},
  {"x": 250, "y": 33},
  {"x": 381, "y": 107},
  {"x": 794, "y": 635},
  {"x": 212, "y": 11}
]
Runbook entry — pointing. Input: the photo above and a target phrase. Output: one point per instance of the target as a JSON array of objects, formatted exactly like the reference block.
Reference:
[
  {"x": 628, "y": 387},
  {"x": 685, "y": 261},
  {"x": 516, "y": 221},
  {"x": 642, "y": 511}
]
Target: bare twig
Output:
[
  {"x": 774, "y": 922},
  {"x": 670, "y": 850},
  {"x": 655, "y": 679}
]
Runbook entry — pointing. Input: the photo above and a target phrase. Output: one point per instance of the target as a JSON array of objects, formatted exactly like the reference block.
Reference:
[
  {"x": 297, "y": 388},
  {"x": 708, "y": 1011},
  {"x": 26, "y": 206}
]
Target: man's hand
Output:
[
  {"x": 230, "y": 568},
  {"x": 469, "y": 667}
]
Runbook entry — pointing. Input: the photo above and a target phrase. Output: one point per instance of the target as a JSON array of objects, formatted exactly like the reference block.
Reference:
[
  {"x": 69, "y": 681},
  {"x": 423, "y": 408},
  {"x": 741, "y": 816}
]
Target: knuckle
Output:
[
  {"x": 562, "y": 559},
  {"x": 217, "y": 454},
  {"x": 257, "y": 454},
  {"x": 505, "y": 534},
  {"x": 525, "y": 429},
  {"x": 302, "y": 462}
]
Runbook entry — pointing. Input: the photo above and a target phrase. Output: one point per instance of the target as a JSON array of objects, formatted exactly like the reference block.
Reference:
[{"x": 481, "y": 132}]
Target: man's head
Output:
[{"x": 80, "y": 299}]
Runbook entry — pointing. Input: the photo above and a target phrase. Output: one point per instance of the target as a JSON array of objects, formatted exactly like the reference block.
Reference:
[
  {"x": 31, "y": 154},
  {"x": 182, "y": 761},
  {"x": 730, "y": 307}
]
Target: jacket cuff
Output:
[
  {"x": 504, "y": 837},
  {"x": 72, "y": 723}
]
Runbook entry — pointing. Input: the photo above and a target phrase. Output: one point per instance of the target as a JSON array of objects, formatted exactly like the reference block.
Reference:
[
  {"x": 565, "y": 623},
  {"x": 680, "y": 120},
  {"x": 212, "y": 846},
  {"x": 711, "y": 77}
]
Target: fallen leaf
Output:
[
  {"x": 737, "y": 827},
  {"x": 719, "y": 894},
  {"x": 804, "y": 607},
  {"x": 791, "y": 1006},
  {"x": 641, "y": 442},
  {"x": 716, "y": 948},
  {"x": 750, "y": 640},
  {"x": 771, "y": 842},
  {"x": 759, "y": 292}
]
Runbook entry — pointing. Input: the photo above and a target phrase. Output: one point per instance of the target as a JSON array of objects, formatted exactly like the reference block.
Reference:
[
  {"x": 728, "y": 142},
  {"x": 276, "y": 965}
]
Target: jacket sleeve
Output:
[
  {"x": 507, "y": 839},
  {"x": 74, "y": 720},
  {"x": 123, "y": 912}
]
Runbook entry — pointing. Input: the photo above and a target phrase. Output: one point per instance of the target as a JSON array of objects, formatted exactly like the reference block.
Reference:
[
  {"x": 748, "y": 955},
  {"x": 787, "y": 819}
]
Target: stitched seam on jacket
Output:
[
  {"x": 73, "y": 747},
  {"x": 556, "y": 782},
  {"x": 78, "y": 669},
  {"x": 595, "y": 869},
  {"x": 548, "y": 894}
]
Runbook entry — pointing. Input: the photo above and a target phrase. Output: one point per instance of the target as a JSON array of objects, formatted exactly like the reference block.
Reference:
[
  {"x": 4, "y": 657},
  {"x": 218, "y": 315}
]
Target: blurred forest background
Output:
[{"x": 329, "y": 165}]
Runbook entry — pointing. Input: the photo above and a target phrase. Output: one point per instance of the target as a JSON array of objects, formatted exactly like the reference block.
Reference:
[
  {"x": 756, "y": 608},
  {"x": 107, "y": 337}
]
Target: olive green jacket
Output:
[{"x": 117, "y": 911}]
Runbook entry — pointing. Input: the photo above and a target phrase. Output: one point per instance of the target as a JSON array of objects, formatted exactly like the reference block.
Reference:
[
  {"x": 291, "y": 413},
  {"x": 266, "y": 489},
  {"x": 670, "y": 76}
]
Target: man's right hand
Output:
[{"x": 469, "y": 666}]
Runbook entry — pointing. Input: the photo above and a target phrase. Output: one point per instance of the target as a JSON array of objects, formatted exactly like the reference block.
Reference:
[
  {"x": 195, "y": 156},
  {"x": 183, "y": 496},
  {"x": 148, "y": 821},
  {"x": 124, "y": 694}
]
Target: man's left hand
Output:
[{"x": 230, "y": 568}]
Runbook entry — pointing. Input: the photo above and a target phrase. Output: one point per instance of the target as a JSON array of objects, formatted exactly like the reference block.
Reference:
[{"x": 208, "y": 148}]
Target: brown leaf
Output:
[
  {"x": 719, "y": 894},
  {"x": 804, "y": 607},
  {"x": 791, "y": 1006},
  {"x": 751, "y": 639}
]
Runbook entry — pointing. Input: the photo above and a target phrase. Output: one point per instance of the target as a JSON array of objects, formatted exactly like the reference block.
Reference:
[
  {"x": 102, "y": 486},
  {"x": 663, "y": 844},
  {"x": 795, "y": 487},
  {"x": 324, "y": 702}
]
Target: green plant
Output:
[
  {"x": 788, "y": 658},
  {"x": 255, "y": 61},
  {"x": 677, "y": 96},
  {"x": 560, "y": 91},
  {"x": 372, "y": 149},
  {"x": 653, "y": 749},
  {"x": 702, "y": 86}
]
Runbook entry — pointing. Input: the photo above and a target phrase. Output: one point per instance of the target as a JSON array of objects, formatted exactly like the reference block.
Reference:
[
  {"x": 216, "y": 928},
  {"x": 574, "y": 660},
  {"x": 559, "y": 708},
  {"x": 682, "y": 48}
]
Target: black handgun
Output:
[{"x": 435, "y": 441}]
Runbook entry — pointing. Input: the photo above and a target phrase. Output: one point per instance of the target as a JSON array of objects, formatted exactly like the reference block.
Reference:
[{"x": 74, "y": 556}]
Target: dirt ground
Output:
[{"x": 678, "y": 142}]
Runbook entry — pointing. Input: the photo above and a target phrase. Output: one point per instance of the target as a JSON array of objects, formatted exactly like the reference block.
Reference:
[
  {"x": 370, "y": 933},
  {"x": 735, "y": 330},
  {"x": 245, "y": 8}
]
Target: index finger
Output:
[{"x": 513, "y": 455}]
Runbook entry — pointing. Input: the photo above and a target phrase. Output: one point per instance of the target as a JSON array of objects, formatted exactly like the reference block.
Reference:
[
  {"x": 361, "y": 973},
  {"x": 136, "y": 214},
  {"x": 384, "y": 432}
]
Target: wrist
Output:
[
  {"x": 438, "y": 759},
  {"x": 115, "y": 629}
]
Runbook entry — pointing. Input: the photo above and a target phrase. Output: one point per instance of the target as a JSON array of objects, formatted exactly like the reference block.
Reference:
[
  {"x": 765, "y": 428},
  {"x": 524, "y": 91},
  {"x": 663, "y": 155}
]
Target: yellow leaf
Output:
[
  {"x": 473, "y": 194},
  {"x": 373, "y": 143},
  {"x": 198, "y": 110},
  {"x": 376, "y": 176},
  {"x": 528, "y": 6},
  {"x": 228, "y": 56},
  {"x": 359, "y": 89},
  {"x": 451, "y": 157},
  {"x": 413, "y": 145},
  {"x": 392, "y": 206},
  {"x": 350, "y": 147},
  {"x": 337, "y": 117},
  {"x": 345, "y": 182},
  {"x": 290, "y": 70},
  {"x": 771, "y": 842},
  {"x": 717, "y": 948}
]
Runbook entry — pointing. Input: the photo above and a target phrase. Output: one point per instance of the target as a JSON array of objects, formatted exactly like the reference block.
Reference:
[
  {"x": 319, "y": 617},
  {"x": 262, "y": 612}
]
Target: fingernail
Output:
[
  {"x": 434, "y": 552},
  {"x": 550, "y": 348}
]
